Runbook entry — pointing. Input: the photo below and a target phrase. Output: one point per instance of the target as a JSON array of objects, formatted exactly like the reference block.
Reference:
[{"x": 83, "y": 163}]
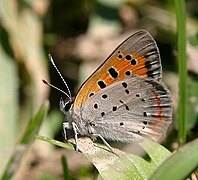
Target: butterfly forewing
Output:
[{"x": 136, "y": 56}]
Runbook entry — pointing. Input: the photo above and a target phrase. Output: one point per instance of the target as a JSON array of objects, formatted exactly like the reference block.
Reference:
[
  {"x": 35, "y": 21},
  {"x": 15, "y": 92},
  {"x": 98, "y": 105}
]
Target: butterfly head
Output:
[{"x": 66, "y": 105}]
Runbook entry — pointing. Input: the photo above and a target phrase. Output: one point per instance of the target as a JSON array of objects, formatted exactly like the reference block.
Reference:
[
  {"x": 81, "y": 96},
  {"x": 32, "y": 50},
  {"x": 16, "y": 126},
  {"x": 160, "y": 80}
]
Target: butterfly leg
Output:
[
  {"x": 75, "y": 128},
  {"x": 67, "y": 128},
  {"x": 104, "y": 141}
]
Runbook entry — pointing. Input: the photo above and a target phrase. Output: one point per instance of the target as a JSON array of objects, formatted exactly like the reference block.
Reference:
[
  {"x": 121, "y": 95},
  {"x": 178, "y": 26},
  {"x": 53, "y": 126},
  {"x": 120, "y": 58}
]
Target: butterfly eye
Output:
[
  {"x": 68, "y": 105},
  {"x": 65, "y": 106}
]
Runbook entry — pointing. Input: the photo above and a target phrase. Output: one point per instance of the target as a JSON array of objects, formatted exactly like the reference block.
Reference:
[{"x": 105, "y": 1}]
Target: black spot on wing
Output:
[
  {"x": 102, "y": 114},
  {"x": 145, "y": 114},
  {"x": 127, "y": 91},
  {"x": 124, "y": 84},
  {"x": 101, "y": 84},
  {"x": 137, "y": 95},
  {"x": 128, "y": 57},
  {"x": 143, "y": 100},
  {"x": 120, "y": 56},
  {"x": 104, "y": 96},
  {"x": 95, "y": 106},
  {"x": 127, "y": 107},
  {"x": 145, "y": 122},
  {"x": 114, "y": 108},
  {"x": 91, "y": 94},
  {"x": 128, "y": 73},
  {"x": 113, "y": 73},
  {"x": 121, "y": 123},
  {"x": 148, "y": 64},
  {"x": 133, "y": 62}
]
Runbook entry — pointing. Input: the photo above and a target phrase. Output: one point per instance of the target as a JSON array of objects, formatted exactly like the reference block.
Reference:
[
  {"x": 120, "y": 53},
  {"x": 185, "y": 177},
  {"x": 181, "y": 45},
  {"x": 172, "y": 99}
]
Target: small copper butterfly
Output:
[{"x": 124, "y": 99}]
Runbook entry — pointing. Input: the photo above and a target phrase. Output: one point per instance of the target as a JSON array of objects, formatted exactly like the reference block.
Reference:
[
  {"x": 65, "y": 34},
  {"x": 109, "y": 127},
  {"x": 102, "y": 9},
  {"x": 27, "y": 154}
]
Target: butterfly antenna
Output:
[
  {"x": 52, "y": 61},
  {"x": 52, "y": 86}
]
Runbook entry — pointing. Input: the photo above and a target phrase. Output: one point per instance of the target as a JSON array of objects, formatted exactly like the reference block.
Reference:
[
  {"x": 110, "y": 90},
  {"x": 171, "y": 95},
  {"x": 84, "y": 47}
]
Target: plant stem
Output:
[{"x": 182, "y": 108}]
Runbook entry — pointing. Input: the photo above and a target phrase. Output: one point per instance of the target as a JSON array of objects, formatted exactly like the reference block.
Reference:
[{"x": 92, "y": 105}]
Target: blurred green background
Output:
[{"x": 79, "y": 35}]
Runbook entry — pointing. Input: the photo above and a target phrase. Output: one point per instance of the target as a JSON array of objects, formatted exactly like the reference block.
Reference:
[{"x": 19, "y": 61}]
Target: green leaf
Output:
[
  {"x": 192, "y": 104},
  {"x": 24, "y": 143},
  {"x": 55, "y": 142},
  {"x": 65, "y": 168},
  {"x": 119, "y": 165},
  {"x": 124, "y": 165},
  {"x": 8, "y": 106},
  {"x": 180, "y": 164}
]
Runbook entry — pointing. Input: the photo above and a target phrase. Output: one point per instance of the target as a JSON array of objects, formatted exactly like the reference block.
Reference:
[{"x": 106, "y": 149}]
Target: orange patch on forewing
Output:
[
  {"x": 120, "y": 65},
  {"x": 140, "y": 69}
]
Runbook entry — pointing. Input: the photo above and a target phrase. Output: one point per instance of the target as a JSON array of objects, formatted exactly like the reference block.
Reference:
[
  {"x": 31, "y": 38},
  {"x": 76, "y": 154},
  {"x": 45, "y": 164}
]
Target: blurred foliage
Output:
[
  {"x": 24, "y": 143},
  {"x": 79, "y": 35}
]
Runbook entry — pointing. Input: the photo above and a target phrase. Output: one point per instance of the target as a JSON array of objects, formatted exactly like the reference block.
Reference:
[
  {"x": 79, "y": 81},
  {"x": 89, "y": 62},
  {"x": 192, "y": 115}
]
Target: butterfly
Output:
[{"x": 124, "y": 99}]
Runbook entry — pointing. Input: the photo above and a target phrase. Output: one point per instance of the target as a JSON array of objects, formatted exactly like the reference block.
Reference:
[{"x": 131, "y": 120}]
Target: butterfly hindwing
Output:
[{"x": 129, "y": 109}]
